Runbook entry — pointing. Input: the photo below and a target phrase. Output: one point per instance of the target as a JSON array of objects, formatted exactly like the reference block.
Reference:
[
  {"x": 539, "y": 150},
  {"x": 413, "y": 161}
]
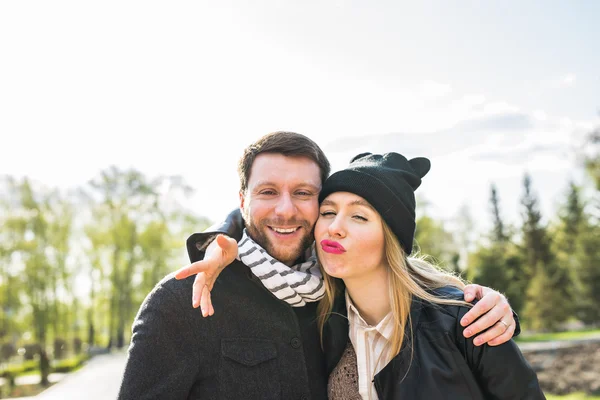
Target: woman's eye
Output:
[
  {"x": 360, "y": 218},
  {"x": 327, "y": 213}
]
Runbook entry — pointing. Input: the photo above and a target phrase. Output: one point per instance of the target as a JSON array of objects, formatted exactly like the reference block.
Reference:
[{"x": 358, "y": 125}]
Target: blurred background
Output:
[{"x": 121, "y": 124}]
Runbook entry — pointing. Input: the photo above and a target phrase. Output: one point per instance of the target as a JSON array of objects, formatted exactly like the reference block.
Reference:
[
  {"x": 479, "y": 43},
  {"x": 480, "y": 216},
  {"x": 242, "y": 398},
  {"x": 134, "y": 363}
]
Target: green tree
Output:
[
  {"x": 33, "y": 247},
  {"x": 131, "y": 240},
  {"x": 550, "y": 286},
  {"x": 499, "y": 231},
  {"x": 535, "y": 239},
  {"x": 588, "y": 258},
  {"x": 432, "y": 239},
  {"x": 592, "y": 158},
  {"x": 497, "y": 262}
]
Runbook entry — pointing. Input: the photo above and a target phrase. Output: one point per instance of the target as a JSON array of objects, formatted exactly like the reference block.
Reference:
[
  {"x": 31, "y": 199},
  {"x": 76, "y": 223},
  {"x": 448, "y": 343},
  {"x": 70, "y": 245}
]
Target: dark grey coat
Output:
[{"x": 254, "y": 347}]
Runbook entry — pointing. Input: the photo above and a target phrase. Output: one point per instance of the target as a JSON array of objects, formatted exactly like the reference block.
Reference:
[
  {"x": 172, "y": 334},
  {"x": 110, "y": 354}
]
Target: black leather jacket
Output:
[{"x": 438, "y": 362}]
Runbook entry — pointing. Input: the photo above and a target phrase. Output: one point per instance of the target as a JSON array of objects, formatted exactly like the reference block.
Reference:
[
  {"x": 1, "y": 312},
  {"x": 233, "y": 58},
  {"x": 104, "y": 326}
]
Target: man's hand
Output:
[
  {"x": 219, "y": 254},
  {"x": 495, "y": 313}
]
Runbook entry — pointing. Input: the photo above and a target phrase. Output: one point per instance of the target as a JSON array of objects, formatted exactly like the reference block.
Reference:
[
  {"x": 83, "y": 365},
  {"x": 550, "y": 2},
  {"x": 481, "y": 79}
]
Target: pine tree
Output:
[
  {"x": 588, "y": 257},
  {"x": 499, "y": 232},
  {"x": 571, "y": 219},
  {"x": 566, "y": 236},
  {"x": 548, "y": 296},
  {"x": 535, "y": 239},
  {"x": 499, "y": 265}
]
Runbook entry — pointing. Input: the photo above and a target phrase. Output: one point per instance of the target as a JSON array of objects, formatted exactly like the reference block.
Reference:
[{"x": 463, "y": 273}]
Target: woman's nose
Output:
[{"x": 336, "y": 228}]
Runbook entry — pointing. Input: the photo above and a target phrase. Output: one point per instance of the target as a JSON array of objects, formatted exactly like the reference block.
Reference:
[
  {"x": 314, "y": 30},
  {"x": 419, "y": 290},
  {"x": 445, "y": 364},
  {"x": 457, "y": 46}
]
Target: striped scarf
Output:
[{"x": 296, "y": 285}]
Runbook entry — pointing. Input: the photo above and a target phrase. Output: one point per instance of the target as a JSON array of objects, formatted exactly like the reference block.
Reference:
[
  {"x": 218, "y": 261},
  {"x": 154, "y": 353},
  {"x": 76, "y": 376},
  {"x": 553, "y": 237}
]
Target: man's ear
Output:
[{"x": 242, "y": 199}]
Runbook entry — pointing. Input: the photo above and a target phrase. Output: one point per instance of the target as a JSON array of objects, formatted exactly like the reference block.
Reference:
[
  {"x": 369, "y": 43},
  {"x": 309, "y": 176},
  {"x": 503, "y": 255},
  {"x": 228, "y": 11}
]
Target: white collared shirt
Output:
[{"x": 371, "y": 344}]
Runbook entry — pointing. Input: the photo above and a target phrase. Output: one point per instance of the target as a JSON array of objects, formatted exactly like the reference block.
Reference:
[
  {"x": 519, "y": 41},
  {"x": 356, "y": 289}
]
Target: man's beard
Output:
[{"x": 287, "y": 254}]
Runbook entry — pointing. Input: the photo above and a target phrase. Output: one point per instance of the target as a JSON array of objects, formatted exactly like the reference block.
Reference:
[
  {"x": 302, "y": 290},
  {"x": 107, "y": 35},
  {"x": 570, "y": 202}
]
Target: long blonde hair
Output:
[{"x": 408, "y": 278}]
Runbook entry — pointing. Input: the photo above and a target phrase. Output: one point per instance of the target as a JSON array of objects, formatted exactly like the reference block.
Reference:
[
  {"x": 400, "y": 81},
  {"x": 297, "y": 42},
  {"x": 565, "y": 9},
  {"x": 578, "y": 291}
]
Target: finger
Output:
[
  {"x": 486, "y": 321},
  {"x": 204, "y": 301},
  {"x": 211, "y": 310},
  {"x": 195, "y": 268},
  {"x": 229, "y": 249},
  {"x": 483, "y": 306},
  {"x": 471, "y": 291},
  {"x": 505, "y": 337},
  {"x": 223, "y": 241},
  {"x": 197, "y": 289},
  {"x": 498, "y": 329},
  {"x": 509, "y": 317}
]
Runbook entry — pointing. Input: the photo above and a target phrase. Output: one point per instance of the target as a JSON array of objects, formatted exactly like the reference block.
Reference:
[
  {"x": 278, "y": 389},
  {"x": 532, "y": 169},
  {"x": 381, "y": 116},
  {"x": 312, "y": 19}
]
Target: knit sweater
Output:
[{"x": 343, "y": 381}]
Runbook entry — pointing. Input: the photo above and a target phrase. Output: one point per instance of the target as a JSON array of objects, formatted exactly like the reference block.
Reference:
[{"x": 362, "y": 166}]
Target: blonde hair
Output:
[{"x": 408, "y": 278}]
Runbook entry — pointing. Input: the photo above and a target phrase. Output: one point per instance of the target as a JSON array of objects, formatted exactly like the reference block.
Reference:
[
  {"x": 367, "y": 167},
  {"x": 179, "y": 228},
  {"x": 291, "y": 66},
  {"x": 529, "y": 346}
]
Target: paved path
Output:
[{"x": 99, "y": 379}]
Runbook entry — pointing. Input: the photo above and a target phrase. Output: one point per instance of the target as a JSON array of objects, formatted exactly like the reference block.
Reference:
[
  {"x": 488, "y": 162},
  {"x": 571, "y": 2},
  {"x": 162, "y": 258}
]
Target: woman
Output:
[{"x": 403, "y": 314}]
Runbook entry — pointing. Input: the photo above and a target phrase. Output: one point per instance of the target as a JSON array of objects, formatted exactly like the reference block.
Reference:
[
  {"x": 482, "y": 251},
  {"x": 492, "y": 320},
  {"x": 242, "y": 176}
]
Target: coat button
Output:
[{"x": 296, "y": 343}]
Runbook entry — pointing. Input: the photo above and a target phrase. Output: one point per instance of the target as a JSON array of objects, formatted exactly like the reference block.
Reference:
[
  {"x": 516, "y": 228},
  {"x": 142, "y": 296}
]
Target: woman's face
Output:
[{"x": 349, "y": 237}]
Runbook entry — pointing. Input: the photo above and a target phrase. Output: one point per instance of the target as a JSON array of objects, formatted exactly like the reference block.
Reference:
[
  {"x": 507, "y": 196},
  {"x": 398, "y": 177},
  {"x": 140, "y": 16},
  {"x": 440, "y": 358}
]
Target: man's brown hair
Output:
[{"x": 289, "y": 144}]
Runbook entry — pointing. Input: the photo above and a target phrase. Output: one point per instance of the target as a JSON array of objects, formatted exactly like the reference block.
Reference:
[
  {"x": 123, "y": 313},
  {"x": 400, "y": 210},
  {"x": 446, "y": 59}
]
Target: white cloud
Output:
[
  {"x": 565, "y": 81},
  {"x": 499, "y": 107},
  {"x": 432, "y": 90},
  {"x": 540, "y": 115},
  {"x": 569, "y": 80}
]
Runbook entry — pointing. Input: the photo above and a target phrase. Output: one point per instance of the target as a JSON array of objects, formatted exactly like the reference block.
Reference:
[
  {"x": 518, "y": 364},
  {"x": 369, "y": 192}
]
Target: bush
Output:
[
  {"x": 31, "y": 350},
  {"x": 68, "y": 364},
  {"x": 60, "y": 348}
]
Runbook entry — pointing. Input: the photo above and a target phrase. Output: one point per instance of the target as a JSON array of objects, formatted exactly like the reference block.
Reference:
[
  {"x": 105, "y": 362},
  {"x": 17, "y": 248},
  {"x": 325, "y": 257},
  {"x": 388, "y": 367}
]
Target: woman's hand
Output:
[
  {"x": 219, "y": 254},
  {"x": 491, "y": 311}
]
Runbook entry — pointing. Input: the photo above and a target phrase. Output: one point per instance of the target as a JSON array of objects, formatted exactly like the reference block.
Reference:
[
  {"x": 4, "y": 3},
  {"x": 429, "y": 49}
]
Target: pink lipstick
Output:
[{"x": 329, "y": 246}]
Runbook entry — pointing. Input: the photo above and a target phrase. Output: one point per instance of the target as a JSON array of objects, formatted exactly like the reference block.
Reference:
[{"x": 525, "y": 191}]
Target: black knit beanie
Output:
[{"x": 388, "y": 182}]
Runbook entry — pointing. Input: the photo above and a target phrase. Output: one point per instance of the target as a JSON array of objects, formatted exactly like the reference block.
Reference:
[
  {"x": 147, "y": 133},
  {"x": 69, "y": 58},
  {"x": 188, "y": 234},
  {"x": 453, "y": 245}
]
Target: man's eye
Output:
[{"x": 268, "y": 192}]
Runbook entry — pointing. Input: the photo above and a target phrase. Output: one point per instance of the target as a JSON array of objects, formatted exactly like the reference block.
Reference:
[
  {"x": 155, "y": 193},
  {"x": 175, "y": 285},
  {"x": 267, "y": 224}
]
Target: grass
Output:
[
  {"x": 32, "y": 367},
  {"x": 572, "y": 396},
  {"x": 545, "y": 337},
  {"x": 18, "y": 369},
  {"x": 70, "y": 364}
]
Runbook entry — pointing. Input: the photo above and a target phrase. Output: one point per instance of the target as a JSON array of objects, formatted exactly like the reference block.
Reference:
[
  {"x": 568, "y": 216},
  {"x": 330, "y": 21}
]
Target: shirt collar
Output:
[{"x": 385, "y": 327}]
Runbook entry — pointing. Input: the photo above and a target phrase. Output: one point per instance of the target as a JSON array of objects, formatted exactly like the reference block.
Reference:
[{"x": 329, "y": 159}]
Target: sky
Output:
[{"x": 486, "y": 90}]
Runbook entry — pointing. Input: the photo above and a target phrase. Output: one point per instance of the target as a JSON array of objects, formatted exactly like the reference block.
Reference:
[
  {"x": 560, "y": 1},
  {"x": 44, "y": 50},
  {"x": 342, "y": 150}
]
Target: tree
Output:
[
  {"x": 535, "y": 240},
  {"x": 588, "y": 259},
  {"x": 592, "y": 158},
  {"x": 498, "y": 262},
  {"x": 432, "y": 239},
  {"x": 33, "y": 247},
  {"x": 131, "y": 239},
  {"x": 551, "y": 286},
  {"x": 499, "y": 231}
]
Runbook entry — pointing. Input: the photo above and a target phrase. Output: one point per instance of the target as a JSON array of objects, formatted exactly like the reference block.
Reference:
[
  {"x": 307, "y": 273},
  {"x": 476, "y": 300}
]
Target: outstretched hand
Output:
[
  {"x": 492, "y": 311},
  {"x": 219, "y": 254}
]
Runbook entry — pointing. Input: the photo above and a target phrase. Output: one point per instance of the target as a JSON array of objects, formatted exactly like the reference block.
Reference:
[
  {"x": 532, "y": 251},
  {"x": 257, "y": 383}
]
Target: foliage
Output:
[{"x": 121, "y": 232}]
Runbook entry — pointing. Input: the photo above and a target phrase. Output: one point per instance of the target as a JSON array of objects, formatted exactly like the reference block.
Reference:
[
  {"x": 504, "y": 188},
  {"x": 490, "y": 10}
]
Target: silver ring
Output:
[{"x": 505, "y": 324}]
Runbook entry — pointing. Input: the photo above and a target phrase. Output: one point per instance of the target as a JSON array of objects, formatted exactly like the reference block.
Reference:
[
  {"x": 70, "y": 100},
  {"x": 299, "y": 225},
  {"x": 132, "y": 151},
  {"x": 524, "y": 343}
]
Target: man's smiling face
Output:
[{"x": 280, "y": 206}]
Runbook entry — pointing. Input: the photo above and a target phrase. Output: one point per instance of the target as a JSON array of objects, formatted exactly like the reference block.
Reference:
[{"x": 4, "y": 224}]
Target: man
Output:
[{"x": 257, "y": 345}]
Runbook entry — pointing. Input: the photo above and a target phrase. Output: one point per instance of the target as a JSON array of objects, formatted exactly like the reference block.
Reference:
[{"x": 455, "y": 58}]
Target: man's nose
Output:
[{"x": 285, "y": 206}]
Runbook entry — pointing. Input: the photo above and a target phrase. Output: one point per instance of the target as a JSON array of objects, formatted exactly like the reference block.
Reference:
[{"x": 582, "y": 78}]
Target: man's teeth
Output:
[{"x": 279, "y": 230}]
